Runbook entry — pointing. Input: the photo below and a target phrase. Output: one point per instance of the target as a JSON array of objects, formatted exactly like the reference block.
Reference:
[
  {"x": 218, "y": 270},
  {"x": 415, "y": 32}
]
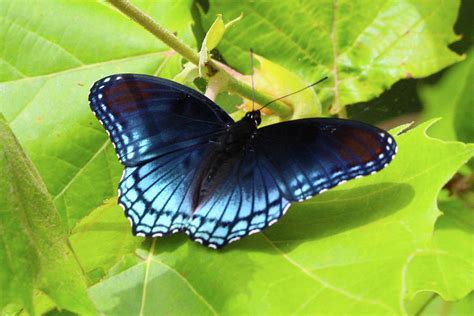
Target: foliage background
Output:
[{"x": 392, "y": 243}]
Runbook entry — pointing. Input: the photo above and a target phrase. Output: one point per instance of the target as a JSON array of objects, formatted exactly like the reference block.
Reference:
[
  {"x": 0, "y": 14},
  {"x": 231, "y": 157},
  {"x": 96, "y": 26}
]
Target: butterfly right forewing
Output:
[{"x": 314, "y": 155}]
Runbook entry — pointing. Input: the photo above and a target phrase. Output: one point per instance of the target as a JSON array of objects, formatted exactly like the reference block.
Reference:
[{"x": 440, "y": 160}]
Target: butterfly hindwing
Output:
[
  {"x": 146, "y": 116},
  {"x": 157, "y": 196},
  {"x": 248, "y": 201},
  {"x": 314, "y": 155}
]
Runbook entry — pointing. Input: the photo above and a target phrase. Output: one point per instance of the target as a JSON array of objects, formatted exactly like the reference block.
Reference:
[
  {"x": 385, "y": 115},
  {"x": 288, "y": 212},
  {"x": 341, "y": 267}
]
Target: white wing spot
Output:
[
  {"x": 272, "y": 222},
  {"x": 100, "y": 96},
  {"x": 198, "y": 240},
  {"x": 107, "y": 79},
  {"x": 157, "y": 235},
  {"x": 234, "y": 239},
  {"x": 286, "y": 208},
  {"x": 140, "y": 235},
  {"x": 389, "y": 140},
  {"x": 118, "y": 78},
  {"x": 322, "y": 191},
  {"x": 342, "y": 182},
  {"x": 130, "y": 220},
  {"x": 174, "y": 231},
  {"x": 212, "y": 246},
  {"x": 373, "y": 172},
  {"x": 381, "y": 156},
  {"x": 254, "y": 231},
  {"x": 385, "y": 166},
  {"x": 359, "y": 176}
]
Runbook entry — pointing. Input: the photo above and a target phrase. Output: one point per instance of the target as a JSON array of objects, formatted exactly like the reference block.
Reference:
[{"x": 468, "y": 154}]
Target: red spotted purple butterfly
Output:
[{"x": 189, "y": 167}]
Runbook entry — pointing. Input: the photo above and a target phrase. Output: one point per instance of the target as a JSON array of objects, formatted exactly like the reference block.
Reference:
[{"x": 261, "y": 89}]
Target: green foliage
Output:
[
  {"x": 376, "y": 245},
  {"x": 453, "y": 100},
  {"x": 34, "y": 251},
  {"x": 364, "y": 46},
  {"x": 331, "y": 255},
  {"x": 451, "y": 246}
]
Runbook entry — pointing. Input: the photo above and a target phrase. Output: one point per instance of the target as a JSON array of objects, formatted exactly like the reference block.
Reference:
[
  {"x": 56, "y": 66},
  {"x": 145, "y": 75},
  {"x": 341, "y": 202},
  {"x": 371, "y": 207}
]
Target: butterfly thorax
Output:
[{"x": 225, "y": 153}]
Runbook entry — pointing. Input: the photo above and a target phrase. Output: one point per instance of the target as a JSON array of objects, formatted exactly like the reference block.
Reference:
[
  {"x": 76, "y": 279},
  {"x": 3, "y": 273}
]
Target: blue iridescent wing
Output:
[
  {"x": 313, "y": 155},
  {"x": 288, "y": 162},
  {"x": 161, "y": 131},
  {"x": 245, "y": 203},
  {"x": 157, "y": 196},
  {"x": 147, "y": 117}
]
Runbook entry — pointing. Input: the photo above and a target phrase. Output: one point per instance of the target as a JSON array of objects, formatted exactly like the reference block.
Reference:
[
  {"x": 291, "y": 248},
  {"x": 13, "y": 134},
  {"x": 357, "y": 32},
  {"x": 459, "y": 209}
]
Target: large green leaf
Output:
[
  {"x": 364, "y": 46},
  {"x": 112, "y": 231},
  {"x": 438, "y": 307},
  {"x": 453, "y": 100},
  {"x": 34, "y": 252},
  {"x": 55, "y": 51},
  {"x": 446, "y": 264},
  {"x": 345, "y": 251}
]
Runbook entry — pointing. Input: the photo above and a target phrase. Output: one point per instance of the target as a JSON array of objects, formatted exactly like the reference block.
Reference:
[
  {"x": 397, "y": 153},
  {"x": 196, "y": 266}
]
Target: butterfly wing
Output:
[
  {"x": 314, "y": 155},
  {"x": 146, "y": 116},
  {"x": 288, "y": 162},
  {"x": 161, "y": 132},
  {"x": 157, "y": 196},
  {"x": 246, "y": 202}
]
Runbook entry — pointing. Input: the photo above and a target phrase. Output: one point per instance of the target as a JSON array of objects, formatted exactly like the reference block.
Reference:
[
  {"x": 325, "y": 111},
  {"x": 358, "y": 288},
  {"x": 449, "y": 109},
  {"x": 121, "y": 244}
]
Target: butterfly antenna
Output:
[
  {"x": 313, "y": 84},
  {"x": 253, "y": 84}
]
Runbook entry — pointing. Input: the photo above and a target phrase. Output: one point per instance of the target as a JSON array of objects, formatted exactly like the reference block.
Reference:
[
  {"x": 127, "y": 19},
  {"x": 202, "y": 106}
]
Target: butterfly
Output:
[{"x": 190, "y": 167}]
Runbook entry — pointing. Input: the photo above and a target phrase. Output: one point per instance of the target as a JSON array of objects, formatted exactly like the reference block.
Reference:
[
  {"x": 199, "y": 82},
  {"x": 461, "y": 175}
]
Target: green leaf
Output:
[
  {"x": 34, "y": 251},
  {"x": 364, "y": 46},
  {"x": 46, "y": 71},
  {"x": 446, "y": 264},
  {"x": 344, "y": 252},
  {"x": 278, "y": 81},
  {"x": 104, "y": 225},
  {"x": 438, "y": 307},
  {"x": 452, "y": 99},
  {"x": 212, "y": 39}
]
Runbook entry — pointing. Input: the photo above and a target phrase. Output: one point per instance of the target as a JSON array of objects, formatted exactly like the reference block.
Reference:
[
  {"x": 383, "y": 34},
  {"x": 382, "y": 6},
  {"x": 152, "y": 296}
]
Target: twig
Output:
[{"x": 240, "y": 87}]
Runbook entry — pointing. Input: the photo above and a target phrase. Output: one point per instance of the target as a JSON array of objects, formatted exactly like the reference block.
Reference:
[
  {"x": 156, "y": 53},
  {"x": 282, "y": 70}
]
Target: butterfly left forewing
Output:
[{"x": 146, "y": 116}]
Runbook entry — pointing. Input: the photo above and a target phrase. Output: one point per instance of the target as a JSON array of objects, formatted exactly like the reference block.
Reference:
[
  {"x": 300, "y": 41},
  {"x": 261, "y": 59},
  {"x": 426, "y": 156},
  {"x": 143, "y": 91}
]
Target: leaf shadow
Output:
[{"x": 333, "y": 213}]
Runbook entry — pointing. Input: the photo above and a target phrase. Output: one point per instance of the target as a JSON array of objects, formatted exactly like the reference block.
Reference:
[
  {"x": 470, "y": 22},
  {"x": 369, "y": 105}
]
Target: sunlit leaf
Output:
[
  {"x": 363, "y": 46},
  {"x": 453, "y": 100},
  {"x": 52, "y": 58},
  {"x": 343, "y": 252},
  {"x": 446, "y": 264},
  {"x": 34, "y": 251}
]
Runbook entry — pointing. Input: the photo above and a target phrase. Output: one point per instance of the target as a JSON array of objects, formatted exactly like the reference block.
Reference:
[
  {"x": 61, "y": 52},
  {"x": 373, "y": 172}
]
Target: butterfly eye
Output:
[{"x": 257, "y": 120}]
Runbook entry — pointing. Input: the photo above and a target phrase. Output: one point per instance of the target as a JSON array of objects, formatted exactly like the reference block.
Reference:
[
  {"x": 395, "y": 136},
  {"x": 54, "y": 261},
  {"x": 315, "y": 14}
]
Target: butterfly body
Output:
[{"x": 189, "y": 167}]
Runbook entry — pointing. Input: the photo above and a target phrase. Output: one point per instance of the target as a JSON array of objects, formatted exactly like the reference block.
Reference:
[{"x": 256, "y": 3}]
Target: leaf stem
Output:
[{"x": 235, "y": 85}]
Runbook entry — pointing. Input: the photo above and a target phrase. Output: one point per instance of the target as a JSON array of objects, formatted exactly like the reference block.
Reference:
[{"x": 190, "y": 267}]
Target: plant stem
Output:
[{"x": 240, "y": 87}]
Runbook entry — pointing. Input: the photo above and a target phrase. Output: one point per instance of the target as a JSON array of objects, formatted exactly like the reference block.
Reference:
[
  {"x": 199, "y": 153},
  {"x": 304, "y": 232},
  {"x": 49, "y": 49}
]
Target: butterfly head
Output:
[{"x": 254, "y": 117}]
